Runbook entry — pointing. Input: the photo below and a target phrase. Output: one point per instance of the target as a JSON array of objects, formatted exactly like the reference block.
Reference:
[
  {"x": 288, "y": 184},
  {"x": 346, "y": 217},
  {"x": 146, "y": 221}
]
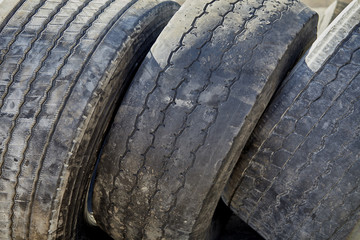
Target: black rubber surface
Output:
[
  {"x": 63, "y": 65},
  {"x": 226, "y": 226},
  {"x": 189, "y": 112},
  {"x": 298, "y": 176}
]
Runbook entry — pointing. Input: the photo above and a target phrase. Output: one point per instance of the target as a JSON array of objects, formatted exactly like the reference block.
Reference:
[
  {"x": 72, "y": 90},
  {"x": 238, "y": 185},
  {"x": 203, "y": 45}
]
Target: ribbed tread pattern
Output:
[
  {"x": 56, "y": 64},
  {"x": 187, "y": 113},
  {"x": 297, "y": 177}
]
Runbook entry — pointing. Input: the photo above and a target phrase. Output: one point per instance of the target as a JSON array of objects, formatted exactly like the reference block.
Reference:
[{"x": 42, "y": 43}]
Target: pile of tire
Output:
[{"x": 137, "y": 116}]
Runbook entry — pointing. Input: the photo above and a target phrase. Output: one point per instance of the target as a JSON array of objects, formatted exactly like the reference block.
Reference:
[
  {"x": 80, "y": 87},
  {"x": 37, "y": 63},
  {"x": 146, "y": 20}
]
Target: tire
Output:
[
  {"x": 340, "y": 6},
  {"x": 298, "y": 175},
  {"x": 179, "y": 130},
  {"x": 330, "y": 14},
  {"x": 63, "y": 65}
]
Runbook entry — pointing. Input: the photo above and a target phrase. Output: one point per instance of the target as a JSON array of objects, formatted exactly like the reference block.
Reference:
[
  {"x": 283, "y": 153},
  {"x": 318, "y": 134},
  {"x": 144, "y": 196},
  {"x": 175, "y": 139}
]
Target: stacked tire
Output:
[
  {"x": 95, "y": 129},
  {"x": 64, "y": 66},
  {"x": 298, "y": 176},
  {"x": 189, "y": 111}
]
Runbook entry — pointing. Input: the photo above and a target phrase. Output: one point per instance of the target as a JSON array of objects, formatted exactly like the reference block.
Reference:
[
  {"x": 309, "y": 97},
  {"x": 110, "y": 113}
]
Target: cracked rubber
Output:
[
  {"x": 298, "y": 176},
  {"x": 191, "y": 107},
  {"x": 63, "y": 65}
]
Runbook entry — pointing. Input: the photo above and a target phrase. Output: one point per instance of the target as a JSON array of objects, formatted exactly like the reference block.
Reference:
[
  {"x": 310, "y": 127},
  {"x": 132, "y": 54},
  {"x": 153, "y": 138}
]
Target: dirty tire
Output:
[
  {"x": 340, "y": 6},
  {"x": 187, "y": 115},
  {"x": 63, "y": 65},
  {"x": 330, "y": 14},
  {"x": 298, "y": 176}
]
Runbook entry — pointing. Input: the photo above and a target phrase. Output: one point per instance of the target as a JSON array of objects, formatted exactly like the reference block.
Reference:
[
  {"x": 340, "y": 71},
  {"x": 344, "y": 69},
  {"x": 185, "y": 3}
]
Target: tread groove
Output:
[
  {"x": 314, "y": 126},
  {"x": 14, "y": 74},
  {"x": 298, "y": 192},
  {"x": 146, "y": 107},
  {"x": 21, "y": 29},
  {"x": 33, "y": 78},
  {"x": 98, "y": 41},
  {"x": 12, "y": 12}
]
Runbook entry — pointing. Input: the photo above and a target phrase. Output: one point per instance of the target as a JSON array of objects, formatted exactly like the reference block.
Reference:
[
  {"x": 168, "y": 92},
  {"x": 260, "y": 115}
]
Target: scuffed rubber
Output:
[
  {"x": 298, "y": 176},
  {"x": 63, "y": 65},
  {"x": 189, "y": 111}
]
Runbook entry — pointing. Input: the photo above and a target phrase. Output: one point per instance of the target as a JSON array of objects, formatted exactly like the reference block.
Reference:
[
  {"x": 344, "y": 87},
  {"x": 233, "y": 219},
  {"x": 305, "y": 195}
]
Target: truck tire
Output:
[
  {"x": 298, "y": 176},
  {"x": 188, "y": 113},
  {"x": 330, "y": 14},
  {"x": 63, "y": 65}
]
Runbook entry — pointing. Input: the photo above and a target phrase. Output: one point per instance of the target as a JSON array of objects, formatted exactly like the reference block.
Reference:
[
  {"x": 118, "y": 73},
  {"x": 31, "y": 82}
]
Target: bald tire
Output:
[
  {"x": 298, "y": 176},
  {"x": 63, "y": 65},
  {"x": 189, "y": 111}
]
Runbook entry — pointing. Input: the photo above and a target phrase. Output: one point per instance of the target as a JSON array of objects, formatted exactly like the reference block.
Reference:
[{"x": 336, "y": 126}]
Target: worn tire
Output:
[
  {"x": 330, "y": 14},
  {"x": 298, "y": 176},
  {"x": 340, "y": 6},
  {"x": 63, "y": 65},
  {"x": 188, "y": 113}
]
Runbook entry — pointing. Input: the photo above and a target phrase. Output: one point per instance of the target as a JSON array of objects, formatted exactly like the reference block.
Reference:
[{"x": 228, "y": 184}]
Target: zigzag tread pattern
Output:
[
  {"x": 41, "y": 55},
  {"x": 150, "y": 158},
  {"x": 321, "y": 146}
]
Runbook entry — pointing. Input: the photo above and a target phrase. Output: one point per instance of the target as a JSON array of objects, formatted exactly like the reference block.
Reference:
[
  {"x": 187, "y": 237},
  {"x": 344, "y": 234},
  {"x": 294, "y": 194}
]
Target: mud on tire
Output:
[
  {"x": 63, "y": 65},
  {"x": 189, "y": 111},
  {"x": 298, "y": 176}
]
